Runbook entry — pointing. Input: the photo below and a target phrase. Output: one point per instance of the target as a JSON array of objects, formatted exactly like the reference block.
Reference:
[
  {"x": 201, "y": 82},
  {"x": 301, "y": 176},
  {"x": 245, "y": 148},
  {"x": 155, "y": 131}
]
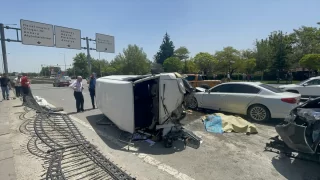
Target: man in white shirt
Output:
[{"x": 77, "y": 86}]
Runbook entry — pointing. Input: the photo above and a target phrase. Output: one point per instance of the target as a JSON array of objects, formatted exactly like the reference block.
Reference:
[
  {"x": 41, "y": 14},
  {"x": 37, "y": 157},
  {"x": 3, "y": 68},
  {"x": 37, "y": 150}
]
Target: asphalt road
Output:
[{"x": 227, "y": 156}]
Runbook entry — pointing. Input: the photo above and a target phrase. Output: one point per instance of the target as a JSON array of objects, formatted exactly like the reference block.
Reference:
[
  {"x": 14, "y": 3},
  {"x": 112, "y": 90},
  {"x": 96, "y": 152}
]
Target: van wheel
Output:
[
  {"x": 205, "y": 86},
  {"x": 293, "y": 91},
  {"x": 258, "y": 112}
]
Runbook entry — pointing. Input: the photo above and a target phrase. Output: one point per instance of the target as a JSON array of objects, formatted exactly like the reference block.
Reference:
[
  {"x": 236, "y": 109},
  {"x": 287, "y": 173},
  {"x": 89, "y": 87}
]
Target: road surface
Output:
[{"x": 227, "y": 156}]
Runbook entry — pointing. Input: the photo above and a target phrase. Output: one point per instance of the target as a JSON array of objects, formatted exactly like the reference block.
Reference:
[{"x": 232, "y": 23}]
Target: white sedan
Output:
[
  {"x": 259, "y": 101},
  {"x": 307, "y": 88}
]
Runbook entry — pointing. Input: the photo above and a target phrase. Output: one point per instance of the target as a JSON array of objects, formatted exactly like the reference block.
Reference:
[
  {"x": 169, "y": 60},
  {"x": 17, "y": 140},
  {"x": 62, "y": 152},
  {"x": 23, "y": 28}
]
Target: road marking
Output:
[{"x": 146, "y": 158}]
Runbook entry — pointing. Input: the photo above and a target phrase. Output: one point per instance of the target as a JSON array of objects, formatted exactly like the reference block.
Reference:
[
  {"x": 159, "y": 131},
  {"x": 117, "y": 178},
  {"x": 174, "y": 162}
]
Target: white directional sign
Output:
[
  {"x": 67, "y": 37},
  {"x": 104, "y": 43},
  {"x": 34, "y": 33}
]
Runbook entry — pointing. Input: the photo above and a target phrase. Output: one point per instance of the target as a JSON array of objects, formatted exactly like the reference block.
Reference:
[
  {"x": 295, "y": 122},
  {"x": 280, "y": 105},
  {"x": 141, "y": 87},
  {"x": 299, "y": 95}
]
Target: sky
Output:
[{"x": 200, "y": 25}]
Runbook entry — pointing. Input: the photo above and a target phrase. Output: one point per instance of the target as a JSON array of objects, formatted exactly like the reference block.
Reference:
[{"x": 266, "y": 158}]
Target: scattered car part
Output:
[{"x": 300, "y": 132}]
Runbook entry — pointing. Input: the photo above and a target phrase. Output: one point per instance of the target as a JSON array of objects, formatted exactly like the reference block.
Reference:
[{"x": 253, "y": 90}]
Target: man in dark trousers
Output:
[
  {"x": 77, "y": 86},
  {"x": 25, "y": 86},
  {"x": 92, "y": 89},
  {"x": 5, "y": 84}
]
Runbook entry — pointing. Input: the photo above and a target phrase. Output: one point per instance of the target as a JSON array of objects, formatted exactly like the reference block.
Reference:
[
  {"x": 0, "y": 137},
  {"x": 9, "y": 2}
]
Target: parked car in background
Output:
[
  {"x": 62, "y": 81},
  {"x": 258, "y": 101},
  {"x": 52, "y": 76},
  {"x": 307, "y": 88},
  {"x": 198, "y": 80}
]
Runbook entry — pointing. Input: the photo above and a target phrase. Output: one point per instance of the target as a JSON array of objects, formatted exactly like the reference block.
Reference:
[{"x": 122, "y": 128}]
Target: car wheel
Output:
[
  {"x": 293, "y": 91},
  {"x": 258, "y": 113},
  {"x": 205, "y": 86},
  {"x": 193, "y": 103}
]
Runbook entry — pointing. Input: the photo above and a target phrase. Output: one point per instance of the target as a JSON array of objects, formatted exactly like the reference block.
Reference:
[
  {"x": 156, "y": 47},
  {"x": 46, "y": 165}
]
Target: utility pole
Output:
[
  {"x": 88, "y": 54},
  {"x": 4, "y": 50}
]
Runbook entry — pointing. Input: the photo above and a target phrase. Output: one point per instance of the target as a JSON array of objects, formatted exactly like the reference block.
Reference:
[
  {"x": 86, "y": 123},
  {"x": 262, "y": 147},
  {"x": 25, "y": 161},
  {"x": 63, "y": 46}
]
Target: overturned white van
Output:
[{"x": 154, "y": 103}]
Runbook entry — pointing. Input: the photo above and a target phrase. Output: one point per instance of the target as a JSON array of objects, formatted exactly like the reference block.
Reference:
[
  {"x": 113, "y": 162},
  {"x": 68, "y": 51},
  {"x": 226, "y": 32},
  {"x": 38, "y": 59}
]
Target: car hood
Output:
[{"x": 288, "y": 86}]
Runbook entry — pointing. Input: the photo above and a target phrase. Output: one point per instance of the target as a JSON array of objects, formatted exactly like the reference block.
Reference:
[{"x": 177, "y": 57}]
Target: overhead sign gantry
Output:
[{"x": 41, "y": 34}]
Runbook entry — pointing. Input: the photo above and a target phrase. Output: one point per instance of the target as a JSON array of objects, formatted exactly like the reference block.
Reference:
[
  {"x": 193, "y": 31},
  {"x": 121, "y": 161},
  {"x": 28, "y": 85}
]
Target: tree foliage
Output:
[
  {"x": 205, "y": 62},
  {"x": 182, "y": 53},
  {"x": 166, "y": 50},
  {"x": 190, "y": 66},
  {"x": 310, "y": 61},
  {"x": 280, "y": 49},
  {"x": 172, "y": 64},
  {"x": 229, "y": 59}
]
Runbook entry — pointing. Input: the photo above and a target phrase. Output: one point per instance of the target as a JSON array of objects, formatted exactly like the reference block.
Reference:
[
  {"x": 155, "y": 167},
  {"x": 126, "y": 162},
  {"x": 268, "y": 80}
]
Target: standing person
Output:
[
  {"x": 92, "y": 89},
  {"x": 17, "y": 85},
  {"x": 243, "y": 76},
  {"x": 228, "y": 77},
  {"x": 5, "y": 84},
  {"x": 25, "y": 86},
  {"x": 77, "y": 86}
]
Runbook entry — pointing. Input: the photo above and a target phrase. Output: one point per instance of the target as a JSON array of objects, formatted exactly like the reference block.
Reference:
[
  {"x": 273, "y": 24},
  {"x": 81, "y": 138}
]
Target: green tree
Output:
[
  {"x": 190, "y": 67},
  {"x": 182, "y": 53},
  {"x": 262, "y": 56},
  {"x": 306, "y": 40},
  {"x": 280, "y": 50},
  {"x": 80, "y": 65},
  {"x": 310, "y": 61},
  {"x": 249, "y": 65},
  {"x": 205, "y": 62},
  {"x": 229, "y": 59},
  {"x": 166, "y": 50},
  {"x": 172, "y": 64},
  {"x": 133, "y": 60}
]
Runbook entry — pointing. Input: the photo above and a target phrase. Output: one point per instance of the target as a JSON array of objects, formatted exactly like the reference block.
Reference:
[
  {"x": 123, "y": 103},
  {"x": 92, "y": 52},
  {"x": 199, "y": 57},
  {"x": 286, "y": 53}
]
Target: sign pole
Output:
[
  {"x": 4, "y": 50},
  {"x": 88, "y": 55}
]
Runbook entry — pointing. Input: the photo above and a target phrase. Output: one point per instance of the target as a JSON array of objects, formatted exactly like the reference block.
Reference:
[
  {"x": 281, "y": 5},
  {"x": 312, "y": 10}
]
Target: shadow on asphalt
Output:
[
  {"x": 71, "y": 113},
  {"x": 113, "y": 133},
  {"x": 296, "y": 169}
]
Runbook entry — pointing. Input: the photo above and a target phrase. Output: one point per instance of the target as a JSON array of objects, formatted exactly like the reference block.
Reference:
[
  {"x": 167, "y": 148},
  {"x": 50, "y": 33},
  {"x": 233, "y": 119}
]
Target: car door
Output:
[
  {"x": 240, "y": 97},
  {"x": 310, "y": 88},
  {"x": 213, "y": 98}
]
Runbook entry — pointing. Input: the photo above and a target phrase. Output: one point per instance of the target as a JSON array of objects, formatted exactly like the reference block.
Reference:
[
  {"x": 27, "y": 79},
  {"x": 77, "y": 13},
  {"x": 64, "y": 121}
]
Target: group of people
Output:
[
  {"x": 77, "y": 87},
  {"x": 21, "y": 84}
]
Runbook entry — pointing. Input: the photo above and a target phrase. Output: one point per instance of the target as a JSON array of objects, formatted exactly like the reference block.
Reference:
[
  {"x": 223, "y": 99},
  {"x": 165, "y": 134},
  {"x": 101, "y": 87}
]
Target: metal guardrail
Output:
[{"x": 66, "y": 151}]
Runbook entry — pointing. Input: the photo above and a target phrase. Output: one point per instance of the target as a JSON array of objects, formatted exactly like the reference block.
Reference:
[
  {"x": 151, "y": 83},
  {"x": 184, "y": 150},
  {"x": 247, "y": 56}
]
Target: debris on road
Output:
[
  {"x": 66, "y": 152},
  {"x": 220, "y": 123}
]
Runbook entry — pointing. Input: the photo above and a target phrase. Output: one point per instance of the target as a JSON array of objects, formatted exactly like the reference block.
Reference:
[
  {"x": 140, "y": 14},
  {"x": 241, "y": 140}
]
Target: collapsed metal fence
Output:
[{"x": 66, "y": 152}]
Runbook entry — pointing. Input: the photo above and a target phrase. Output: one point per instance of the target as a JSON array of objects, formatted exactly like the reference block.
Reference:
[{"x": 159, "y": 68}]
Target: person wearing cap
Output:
[
  {"x": 77, "y": 87},
  {"x": 92, "y": 88},
  {"x": 17, "y": 85}
]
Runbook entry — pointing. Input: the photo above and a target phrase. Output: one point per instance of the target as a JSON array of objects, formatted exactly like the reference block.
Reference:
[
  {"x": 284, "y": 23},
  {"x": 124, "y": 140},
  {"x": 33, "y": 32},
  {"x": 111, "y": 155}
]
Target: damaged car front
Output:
[{"x": 301, "y": 128}]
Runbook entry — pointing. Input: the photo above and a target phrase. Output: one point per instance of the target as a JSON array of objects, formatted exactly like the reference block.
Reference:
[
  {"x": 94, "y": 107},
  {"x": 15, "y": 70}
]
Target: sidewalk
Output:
[{"x": 7, "y": 168}]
